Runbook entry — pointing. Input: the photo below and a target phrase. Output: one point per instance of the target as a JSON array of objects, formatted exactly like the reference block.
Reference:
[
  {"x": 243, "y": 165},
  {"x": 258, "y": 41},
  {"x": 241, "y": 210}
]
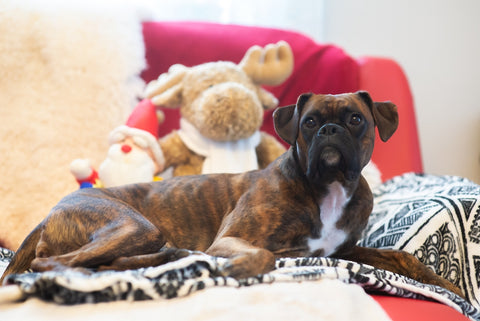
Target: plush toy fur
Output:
[
  {"x": 69, "y": 75},
  {"x": 222, "y": 105}
]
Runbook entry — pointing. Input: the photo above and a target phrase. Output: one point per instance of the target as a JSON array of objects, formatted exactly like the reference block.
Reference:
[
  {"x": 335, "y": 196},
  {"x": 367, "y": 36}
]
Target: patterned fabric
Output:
[
  {"x": 197, "y": 272},
  {"x": 436, "y": 218},
  {"x": 5, "y": 257}
]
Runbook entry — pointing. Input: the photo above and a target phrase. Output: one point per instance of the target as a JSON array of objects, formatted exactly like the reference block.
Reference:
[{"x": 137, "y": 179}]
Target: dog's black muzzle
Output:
[{"x": 333, "y": 149}]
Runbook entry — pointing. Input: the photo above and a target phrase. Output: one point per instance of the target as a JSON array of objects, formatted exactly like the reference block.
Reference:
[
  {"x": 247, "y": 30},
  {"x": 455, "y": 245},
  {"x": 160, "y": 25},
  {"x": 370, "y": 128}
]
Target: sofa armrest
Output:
[{"x": 385, "y": 80}]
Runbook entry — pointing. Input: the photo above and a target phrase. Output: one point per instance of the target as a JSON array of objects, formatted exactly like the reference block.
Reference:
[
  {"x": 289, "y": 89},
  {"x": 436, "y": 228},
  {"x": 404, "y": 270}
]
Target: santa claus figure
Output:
[{"x": 134, "y": 155}]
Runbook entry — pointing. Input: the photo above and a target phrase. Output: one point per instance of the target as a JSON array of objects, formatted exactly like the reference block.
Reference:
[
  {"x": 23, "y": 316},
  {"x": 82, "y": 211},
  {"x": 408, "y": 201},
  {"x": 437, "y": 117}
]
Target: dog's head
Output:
[{"x": 333, "y": 134}]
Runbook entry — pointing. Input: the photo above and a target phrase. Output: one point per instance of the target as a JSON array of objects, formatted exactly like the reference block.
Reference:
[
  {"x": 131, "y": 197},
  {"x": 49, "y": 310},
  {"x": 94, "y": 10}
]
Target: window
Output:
[{"x": 305, "y": 16}]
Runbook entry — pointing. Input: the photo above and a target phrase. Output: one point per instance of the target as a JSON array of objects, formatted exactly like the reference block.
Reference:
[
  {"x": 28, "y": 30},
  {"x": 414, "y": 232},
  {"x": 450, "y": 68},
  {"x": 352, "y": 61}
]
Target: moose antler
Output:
[{"x": 270, "y": 65}]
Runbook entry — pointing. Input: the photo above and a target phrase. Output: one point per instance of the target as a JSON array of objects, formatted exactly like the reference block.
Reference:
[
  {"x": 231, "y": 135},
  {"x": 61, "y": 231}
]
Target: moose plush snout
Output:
[{"x": 216, "y": 113}]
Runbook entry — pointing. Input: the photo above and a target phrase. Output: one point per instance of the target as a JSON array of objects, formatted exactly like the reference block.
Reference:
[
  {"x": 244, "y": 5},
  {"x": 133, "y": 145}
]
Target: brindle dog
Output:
[{"x": 311, "y": 201}]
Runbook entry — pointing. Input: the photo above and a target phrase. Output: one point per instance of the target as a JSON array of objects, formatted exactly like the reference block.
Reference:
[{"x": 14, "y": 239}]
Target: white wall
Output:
[{"x": 437, "y": 42}]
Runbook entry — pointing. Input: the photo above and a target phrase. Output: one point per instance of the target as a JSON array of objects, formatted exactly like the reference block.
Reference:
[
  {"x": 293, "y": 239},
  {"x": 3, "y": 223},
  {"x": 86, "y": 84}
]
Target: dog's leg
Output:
[
  {"x": 130, "y": 236},
  {"x": 165, "y": 255},
  {"x": 399, "y": 262},
  {"x": 244, "y": 259}
]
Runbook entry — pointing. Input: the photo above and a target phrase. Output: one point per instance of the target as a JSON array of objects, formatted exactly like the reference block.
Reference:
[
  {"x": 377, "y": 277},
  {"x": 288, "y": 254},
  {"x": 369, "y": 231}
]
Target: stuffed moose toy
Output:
[{"x": 222, "y": 105}]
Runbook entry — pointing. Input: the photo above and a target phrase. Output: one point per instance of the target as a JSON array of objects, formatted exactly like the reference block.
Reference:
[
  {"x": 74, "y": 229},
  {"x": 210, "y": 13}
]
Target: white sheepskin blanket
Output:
[
  {"x": 329, "y": 300},
  {"x": 69, "y": 74}
]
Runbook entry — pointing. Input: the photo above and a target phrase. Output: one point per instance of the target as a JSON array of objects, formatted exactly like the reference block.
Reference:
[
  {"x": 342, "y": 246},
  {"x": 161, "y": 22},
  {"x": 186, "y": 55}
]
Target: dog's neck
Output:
[
  {"x": 291, "y": 167},
  {"x": 290, "y": 164}
]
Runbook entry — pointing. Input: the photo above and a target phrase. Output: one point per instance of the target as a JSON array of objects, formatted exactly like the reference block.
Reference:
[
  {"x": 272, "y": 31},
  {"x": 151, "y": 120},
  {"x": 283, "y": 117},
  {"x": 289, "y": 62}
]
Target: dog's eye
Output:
[
  {"x": 310, "y": 122},
  {"x": 356, "y": 119}
]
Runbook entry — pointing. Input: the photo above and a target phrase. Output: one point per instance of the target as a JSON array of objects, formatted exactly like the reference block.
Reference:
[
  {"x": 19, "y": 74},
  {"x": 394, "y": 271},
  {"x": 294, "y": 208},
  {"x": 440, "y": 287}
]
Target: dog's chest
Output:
[{"x": 331, "y": 211}]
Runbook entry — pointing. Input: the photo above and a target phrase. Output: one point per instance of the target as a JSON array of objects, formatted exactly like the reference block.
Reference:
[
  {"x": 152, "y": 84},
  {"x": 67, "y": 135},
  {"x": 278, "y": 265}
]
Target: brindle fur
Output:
[{"x": 249, "y": 218}]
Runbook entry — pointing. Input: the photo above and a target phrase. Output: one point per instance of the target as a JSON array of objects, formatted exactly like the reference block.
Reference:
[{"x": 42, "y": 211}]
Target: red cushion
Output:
[
  {"x": 405, "y": 309},
  {"x": 318, "y": 68}
]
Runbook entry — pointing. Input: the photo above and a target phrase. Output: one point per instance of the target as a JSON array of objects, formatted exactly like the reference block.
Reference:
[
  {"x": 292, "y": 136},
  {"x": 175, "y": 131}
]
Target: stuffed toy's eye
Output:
[
  {"x": 356, "y": 119},
  {"x": 310, "y": 122},
  {"x": 140, "y": 142}
]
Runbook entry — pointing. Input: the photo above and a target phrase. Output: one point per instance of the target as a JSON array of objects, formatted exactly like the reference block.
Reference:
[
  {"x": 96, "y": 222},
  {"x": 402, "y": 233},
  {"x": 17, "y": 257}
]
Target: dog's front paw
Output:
[
  {"x": 416, "y": 270},
  {"x": 243, "y": 258},
  {"x": 244, "y": 266},
  {"x": 235, "y": 270},
  {"x": 434, "y": 279}
]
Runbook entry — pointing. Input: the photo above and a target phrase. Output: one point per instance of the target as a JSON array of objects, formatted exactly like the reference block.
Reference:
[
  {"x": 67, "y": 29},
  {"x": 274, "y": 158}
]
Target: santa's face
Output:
[{"x": 128, "y": 161}]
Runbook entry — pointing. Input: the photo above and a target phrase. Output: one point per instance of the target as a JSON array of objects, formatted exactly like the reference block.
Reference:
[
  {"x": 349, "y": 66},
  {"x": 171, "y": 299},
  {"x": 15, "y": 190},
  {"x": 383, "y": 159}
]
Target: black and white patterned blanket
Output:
[{"x": 437, "y": 218}]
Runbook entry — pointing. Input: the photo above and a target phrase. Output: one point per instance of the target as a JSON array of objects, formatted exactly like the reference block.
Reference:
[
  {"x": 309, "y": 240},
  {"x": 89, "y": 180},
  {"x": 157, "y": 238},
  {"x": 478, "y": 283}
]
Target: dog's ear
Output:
[
  {"x": 384, "y": 113},
  {"x": 286, "y": 119},
  {"x": 386, "y": 119}
]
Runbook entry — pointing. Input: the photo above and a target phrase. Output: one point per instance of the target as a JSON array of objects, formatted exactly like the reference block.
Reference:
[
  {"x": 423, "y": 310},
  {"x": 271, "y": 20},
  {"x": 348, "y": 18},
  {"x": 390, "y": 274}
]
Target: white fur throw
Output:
[{"x": 69, "y": 74}]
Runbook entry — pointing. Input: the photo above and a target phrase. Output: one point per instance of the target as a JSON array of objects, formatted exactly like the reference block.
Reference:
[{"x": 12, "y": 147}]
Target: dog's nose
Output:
[
  {"x": 329, "y": 130},
  {"x": 126, "y": 148}
]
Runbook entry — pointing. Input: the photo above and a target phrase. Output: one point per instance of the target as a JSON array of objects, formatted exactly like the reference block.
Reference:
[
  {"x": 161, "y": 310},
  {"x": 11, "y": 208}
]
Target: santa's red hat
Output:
[
  {"x": 143, "y": 122},
  {"x": 144, "y": 116}
]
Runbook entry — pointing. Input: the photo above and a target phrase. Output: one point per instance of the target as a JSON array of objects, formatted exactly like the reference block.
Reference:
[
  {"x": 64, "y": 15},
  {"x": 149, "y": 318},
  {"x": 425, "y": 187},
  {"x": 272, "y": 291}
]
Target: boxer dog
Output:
[{"x": 311, "y": 201}]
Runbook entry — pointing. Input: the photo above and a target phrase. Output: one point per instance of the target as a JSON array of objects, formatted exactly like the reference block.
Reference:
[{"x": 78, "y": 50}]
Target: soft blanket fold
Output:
[{"x": 198, "y": 272}]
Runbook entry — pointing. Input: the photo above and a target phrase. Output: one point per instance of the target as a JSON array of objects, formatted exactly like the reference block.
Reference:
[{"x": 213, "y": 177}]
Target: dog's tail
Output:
[{"x": 25, "y": 254}]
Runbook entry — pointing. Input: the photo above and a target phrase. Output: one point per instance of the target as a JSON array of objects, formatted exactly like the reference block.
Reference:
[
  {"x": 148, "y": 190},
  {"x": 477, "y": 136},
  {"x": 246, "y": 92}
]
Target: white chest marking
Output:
[{"x": 331, "y": 209}]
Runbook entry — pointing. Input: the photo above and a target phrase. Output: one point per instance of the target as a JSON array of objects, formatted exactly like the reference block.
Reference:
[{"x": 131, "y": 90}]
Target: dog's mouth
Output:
[
  {"x": 331, "y": 160},
  {"x": 330, "y": 157}
]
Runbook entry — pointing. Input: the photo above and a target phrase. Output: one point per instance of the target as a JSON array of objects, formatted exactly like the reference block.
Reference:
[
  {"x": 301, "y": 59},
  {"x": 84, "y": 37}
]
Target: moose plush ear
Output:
[
  {"x": 385, "y": 115},
  {"x": 286, "y": 119},
  {"x": 268, "y": 100},
  {"x": 166, "y": 91}
]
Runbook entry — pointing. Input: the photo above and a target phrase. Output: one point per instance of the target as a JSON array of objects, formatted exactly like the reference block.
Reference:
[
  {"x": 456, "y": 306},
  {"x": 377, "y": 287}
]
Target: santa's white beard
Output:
[{"x": 120, "y": 168}]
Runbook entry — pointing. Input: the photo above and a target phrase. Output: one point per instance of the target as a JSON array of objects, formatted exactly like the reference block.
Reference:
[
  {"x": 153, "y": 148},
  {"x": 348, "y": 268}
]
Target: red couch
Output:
[{"x": 319, "y": 68}]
